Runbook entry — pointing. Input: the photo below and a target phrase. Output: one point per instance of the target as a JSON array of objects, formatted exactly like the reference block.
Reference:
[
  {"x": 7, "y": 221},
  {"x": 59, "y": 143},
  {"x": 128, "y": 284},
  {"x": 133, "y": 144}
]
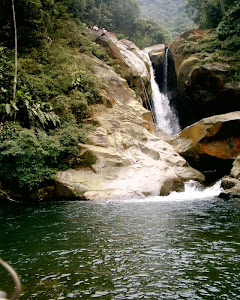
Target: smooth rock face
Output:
[
  {"x": 135, "y": 65},
  {"x": 213, "y": 142},
  {"x": 131, "y": 161},
  {"x": 202, "y": 80}
]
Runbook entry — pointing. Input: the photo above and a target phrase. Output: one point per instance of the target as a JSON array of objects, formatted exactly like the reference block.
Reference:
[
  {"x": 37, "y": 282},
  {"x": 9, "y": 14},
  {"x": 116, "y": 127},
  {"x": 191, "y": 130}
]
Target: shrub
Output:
[
  {"x": 28, "y": 158},
  {"x": 230, "y": 24}
]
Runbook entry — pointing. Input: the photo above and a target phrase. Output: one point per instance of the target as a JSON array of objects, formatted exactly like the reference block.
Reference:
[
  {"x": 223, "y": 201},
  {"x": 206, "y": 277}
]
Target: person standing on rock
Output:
[{"x": 104, "y": 31}]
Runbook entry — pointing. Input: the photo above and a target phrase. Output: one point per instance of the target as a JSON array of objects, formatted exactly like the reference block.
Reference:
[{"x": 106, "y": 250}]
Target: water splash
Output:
[{"x": 193, "y": 190}]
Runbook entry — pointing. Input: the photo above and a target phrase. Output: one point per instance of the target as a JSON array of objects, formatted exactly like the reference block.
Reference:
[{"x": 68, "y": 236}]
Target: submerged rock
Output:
[{"x": 131, "y": 162}]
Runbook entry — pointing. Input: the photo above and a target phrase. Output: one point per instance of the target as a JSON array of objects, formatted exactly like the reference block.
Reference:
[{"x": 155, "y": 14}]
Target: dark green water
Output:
[{"x": 165, "y": 249}]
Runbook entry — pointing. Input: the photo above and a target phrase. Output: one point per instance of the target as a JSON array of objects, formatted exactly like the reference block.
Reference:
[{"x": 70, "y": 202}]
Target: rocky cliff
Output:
[
  {"x": 133, "y": 63},
  {"x": 131, "y": 161},
  {"x": 204, "y": 75}
]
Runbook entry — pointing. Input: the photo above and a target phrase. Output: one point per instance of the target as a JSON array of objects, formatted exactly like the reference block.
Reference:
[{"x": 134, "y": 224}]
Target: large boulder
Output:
[
  {"x": 235, "y": 172},
  {"x": 212, "y": 143},
  {"x": 129, "y": 160},
  {"x": 156, "y": 54},
  {"x": 134, "y": 63},
  {"x": 231, "y": 184},
  {"x": 203, "y": 78},
  {"x": 231, "y": 187}
]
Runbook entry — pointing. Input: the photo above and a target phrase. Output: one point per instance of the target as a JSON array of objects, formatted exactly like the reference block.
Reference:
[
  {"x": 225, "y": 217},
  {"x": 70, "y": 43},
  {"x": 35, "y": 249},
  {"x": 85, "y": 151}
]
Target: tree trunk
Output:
[
  {"x": 222, "y": 7},
  {"x": 100, "y": 11},
  {"x": 15, "y": 35}
]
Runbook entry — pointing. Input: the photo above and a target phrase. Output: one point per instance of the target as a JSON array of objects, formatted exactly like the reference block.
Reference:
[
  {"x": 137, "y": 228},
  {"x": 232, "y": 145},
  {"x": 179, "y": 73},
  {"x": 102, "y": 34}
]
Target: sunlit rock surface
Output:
[
  {"x": 212, "y": 143},
  {"x": 156, "y": 54},
  {"x": 131, "y": 161},
  {"x": 235, "y": 172},
  {"x": 134, "y": 64}
]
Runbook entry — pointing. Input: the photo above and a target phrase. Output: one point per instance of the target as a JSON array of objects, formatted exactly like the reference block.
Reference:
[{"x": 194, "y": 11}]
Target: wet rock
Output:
[
  {"x": 156, "y": 54},
  {"x": 231, "y": 188}
]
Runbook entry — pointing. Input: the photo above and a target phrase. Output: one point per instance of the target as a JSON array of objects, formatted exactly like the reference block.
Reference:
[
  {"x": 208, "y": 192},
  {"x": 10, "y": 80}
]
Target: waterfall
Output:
[
  {"x": 166, "y": 117},
  {"x": 165, "y": 72}
]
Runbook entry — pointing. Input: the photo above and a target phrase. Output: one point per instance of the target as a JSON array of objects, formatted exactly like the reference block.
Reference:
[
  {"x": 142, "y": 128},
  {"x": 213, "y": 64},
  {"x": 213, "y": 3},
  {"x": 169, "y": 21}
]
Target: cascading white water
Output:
[
  {"x": 165, "y": 72},
  {"x": 192, "y": 190},
  {"x": 166, "y": 118},
  {"x": 168, "y": 121}
]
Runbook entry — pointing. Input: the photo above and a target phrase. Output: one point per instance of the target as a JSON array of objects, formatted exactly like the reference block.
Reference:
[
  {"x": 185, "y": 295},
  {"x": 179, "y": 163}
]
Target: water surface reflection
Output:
[{"x": 186, "y": 249}]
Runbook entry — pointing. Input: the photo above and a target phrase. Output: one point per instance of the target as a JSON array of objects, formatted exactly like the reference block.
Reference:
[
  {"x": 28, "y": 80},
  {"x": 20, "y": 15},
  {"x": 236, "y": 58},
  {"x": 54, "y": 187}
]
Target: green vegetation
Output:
[
  {"x": 121, "y": 17},
  {"x": 223, "y": 43},
  {"x": 42, "y": 125},
  {"x": 41, "y": 128},
  {"x": 229, "y": 27},
  {"x": 208, "y": 13},
  {"x": 168, "y": 13}
]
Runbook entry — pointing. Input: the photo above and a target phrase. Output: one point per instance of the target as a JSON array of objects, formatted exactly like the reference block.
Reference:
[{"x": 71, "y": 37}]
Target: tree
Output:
[
  {"x": 205, "y": 13},
  {"x": 15, "y": 39},
  {"x": 208, "y": 13},
  {"x": 222, "y": 7}
]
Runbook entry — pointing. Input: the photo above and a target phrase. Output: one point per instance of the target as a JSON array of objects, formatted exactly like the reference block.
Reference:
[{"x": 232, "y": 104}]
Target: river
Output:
[{"x": 156, "y": 248}]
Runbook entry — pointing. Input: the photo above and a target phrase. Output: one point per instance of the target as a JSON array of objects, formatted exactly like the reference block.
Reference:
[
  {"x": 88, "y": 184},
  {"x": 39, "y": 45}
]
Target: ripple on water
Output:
[{"x": 124, "y": 250}]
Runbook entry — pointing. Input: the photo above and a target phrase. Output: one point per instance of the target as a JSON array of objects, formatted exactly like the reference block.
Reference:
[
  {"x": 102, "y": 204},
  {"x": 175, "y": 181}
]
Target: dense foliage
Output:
[
  {"x": 224, "y": 41},
  {"x": 168, "y": 13},
  {"x": 230, "y": 24},
  {"x": 41, "y": 127},
  {"x": 208, "y": 13},
  {"x": 121, "y": 17},
  {"x": 27, "y": 158},
  {"x": 39, "y": 20}
]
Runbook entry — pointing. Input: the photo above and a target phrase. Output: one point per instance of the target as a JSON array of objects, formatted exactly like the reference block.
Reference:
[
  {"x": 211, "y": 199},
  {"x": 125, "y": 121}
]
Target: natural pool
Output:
[{"x": 157, "y": 248}]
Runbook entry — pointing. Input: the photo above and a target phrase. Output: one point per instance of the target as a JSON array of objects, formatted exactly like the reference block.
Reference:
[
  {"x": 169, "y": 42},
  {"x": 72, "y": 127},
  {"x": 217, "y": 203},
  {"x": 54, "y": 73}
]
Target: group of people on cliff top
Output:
[{"x": 96, "y": 28}]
